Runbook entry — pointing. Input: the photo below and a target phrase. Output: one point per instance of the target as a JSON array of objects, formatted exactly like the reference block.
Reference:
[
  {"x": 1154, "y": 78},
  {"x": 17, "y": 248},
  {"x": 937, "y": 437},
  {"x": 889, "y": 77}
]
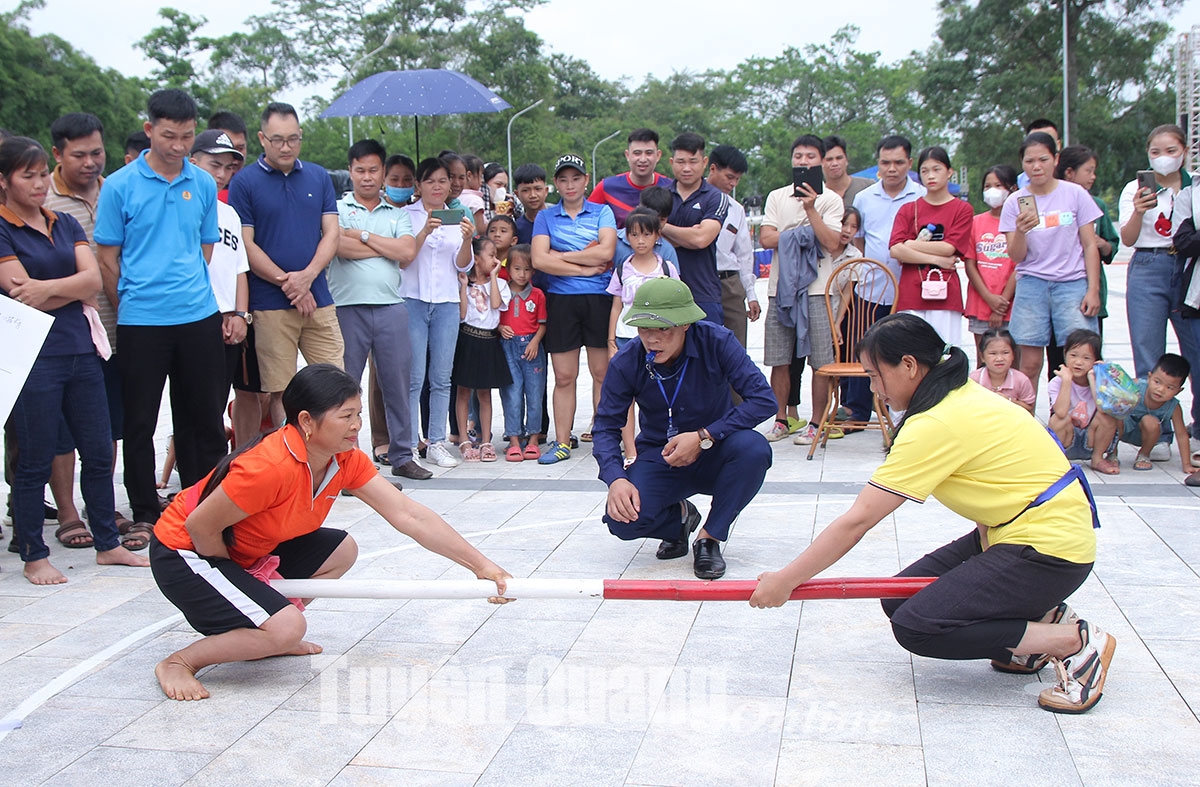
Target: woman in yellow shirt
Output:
[{"x": 1001, "y": 588}]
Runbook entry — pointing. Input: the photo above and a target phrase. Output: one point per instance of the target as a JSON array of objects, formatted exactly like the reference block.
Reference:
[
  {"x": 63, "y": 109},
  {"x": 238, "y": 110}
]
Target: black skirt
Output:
[{"x": 479, "y": 359}]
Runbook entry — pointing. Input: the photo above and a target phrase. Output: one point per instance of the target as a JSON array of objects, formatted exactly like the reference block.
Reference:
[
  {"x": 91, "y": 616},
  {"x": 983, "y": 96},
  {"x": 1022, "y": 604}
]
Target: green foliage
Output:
[
  {"x": 44, "y": 77},
  {"x": 998, "y": 65}
]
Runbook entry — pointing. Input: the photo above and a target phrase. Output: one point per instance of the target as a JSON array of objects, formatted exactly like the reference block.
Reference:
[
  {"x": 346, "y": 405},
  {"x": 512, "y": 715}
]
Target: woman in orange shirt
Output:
[{"x": 259, "y": 514}]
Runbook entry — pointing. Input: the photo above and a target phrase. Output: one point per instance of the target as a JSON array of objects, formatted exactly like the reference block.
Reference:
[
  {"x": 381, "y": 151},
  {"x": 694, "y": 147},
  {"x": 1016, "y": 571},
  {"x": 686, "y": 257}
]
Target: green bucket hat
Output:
[{"x": 663, "y": 303}]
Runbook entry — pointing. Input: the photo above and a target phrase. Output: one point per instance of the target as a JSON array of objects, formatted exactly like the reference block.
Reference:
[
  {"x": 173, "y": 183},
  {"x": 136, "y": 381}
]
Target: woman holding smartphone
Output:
[
  {"x": 1051, "y": 239},
  {"x": 1144, "y": 216},
  {"x": 430, "y": 291}
]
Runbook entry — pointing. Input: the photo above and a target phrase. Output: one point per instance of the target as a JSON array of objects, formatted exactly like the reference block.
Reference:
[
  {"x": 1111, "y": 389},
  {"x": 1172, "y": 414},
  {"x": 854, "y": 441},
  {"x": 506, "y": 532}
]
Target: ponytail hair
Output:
[{"x": 898, "y": 335}]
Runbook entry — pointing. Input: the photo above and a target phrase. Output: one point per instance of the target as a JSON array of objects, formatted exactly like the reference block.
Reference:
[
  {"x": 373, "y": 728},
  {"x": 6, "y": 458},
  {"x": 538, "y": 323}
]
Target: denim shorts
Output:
[
  {"x": 1080, "y": 449},
  {"x": 1040, "y": 306}
]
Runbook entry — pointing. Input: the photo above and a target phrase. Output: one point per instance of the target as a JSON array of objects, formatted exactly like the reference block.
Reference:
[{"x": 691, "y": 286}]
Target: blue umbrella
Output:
[{"x": 425, "y": 91}]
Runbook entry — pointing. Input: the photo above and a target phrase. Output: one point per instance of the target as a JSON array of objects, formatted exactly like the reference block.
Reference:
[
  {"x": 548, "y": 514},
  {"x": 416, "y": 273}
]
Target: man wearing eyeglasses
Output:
[
  {"x": 693, "y": 440},
  {"x": 290, "y": 227}
]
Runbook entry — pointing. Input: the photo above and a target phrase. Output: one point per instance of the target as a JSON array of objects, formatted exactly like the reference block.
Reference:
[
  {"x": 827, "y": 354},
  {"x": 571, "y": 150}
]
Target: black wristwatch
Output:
[
  {"x": 247, "y": 316},
  {"x": 706, "y": 440}
]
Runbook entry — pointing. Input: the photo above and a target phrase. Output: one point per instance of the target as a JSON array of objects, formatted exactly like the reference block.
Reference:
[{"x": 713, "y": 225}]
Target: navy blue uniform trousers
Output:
[{"x": 732, "y": 472}]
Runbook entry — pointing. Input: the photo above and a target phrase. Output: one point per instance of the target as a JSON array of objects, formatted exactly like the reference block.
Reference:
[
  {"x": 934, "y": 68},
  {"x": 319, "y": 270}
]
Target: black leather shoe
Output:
[
  {"x": 708, "y": 563},
  {"x": 411, "y": 469},
  {"x": 671, "y": 549}
]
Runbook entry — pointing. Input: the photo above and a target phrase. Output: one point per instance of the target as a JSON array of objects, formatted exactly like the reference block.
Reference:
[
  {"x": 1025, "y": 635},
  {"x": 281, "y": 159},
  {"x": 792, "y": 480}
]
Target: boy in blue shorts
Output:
[{"x": 1144, "y": 424}]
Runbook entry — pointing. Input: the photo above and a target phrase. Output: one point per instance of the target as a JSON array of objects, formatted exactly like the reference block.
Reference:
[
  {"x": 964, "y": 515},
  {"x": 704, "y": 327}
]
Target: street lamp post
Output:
[
  {"x": 597, "y": 145},
  {"x": 510, "y": 122},
  {"x": 391, "y": 36}
]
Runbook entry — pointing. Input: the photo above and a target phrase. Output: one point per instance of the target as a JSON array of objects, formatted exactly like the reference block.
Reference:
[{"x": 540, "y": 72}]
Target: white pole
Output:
[
  {"x": 1066, "y": 129},
  {"x": 391, "y": 36},
  {"x": 437, "y": 588},
  {"x": 510, "y": 122},
  {"x": 597, "y": 145}
]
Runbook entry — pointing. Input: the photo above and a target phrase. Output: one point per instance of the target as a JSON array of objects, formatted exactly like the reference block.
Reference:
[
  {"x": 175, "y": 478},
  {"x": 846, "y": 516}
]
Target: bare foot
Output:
[
  {"x": 1106, "y": 466},
  {"x": 305, "y": 648},
  {"x": 178, "y": 681},
  {"x": 120, "y": 557},
  {"x": 40, "y": 572}
]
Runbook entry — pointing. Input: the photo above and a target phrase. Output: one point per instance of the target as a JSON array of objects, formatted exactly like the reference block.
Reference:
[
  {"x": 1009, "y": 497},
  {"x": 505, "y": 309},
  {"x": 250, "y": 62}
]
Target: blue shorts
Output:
[
  {"x": 1040, "y": 306},
  {"x": 1080, "y": 450}
]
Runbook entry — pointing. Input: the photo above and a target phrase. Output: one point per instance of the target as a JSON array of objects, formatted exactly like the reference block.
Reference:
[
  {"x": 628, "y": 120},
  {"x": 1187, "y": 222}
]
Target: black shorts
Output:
[
  {"x": 217, "y": 595},
  {"x": 574, "y": 321},
  {"x": 245, "y": 368}
]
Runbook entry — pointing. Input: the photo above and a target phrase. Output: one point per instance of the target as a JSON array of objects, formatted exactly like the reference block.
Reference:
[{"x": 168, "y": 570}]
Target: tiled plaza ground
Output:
[{"x": 614, "y": 693}]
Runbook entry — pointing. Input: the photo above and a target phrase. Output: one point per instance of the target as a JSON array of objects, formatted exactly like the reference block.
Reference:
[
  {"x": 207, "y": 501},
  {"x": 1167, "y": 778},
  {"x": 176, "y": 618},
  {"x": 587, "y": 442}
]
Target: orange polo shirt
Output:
[{"x": 272, "y": 483}]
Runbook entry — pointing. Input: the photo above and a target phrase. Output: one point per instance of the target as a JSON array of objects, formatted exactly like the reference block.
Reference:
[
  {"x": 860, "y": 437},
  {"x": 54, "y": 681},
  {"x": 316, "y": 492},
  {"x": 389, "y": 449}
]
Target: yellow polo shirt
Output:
[{"x": 985, "y": 459}]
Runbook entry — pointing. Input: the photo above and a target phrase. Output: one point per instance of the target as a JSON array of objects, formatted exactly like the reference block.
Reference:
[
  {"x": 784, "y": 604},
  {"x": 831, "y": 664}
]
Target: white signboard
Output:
[{"x": 23, "y": 329}]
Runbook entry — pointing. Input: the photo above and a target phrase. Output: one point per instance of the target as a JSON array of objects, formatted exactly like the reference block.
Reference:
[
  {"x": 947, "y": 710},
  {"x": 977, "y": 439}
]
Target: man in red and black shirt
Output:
[{"x": 621, "y": 192}]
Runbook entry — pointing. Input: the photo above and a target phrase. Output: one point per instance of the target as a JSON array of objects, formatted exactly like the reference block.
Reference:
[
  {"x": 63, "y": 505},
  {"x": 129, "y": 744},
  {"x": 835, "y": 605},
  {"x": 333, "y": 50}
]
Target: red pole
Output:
[{"x": 741, "y": 590}]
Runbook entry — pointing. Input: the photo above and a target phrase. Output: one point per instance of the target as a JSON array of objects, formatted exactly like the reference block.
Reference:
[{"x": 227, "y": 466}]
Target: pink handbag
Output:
[{"x": 935, "y": 289}]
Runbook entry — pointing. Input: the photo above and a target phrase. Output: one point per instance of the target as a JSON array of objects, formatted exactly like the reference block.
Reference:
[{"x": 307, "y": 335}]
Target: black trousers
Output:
[
  {"x": 980, "y": 604},
  {"x": 192, "y": 356}
]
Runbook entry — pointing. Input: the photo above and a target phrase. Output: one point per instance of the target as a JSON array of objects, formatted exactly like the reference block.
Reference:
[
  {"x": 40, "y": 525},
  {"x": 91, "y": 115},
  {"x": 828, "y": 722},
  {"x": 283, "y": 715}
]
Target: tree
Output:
[
  {"x": 998, "y": 65},
  {"x": 174, "y": 46},
  {"x": 44, "y": 77}
]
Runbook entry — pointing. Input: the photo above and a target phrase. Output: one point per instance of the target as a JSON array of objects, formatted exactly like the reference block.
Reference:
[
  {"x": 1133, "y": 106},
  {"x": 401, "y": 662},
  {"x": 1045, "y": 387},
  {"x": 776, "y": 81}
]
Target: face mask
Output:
[
  {"x": 499, "y": 194},
  {"x": 1166, "y": 165},
  {"x": 994, "y": 198},
  {"x": 399, "y": 195}
]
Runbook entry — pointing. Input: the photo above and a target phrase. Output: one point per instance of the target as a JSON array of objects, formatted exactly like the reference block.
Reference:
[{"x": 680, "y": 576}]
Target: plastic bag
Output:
[{"x": 1117, "y": 393}]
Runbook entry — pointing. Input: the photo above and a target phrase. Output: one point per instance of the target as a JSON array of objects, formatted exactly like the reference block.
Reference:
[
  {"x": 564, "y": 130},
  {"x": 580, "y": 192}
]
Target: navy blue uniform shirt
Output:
[{"x": 715, "y": 361}]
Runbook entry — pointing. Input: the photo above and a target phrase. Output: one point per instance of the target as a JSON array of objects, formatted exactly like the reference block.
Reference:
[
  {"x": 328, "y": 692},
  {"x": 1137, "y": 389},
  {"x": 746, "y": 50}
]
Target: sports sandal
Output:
[
  {"x": 74, "y": 535},
  {"x": 1142, "y": 463},
  {"x": 136, "y": 535},
  {"x": 487, "y": 453},
  {"x": 469, "y": 452}
]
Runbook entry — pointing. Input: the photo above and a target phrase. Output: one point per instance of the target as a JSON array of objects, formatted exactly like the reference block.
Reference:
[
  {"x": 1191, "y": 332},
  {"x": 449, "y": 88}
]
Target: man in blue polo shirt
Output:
[
  {"x": 156, "y": 223},
  {"x": 622, "y": 192},
  {"x": 879, "y": 203},
  {"x": 699, "y": 212},
  {"x": 376, "y": 243},
  {"x": 290, "y": 225},
  {"x": 573, "y": 244}
]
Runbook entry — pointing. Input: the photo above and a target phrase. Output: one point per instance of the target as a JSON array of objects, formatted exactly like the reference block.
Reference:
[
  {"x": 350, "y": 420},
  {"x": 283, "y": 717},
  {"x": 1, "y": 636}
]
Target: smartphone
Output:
[
  {"x": 1027, "y": 204},
  {"x": 813, "y": 176},
  {"x": 451, "y": 216},
  {"x": 1145, "y": 180}
]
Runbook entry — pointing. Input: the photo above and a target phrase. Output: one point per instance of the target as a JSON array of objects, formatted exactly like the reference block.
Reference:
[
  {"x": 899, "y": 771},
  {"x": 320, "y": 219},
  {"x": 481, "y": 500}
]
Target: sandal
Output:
[
  {"x": 381, "y": 458},
  {"x": 1106, "y": 467},
  {"x": 487, "y": 453},
  {"x": 514, "y": 454},
  {"x": 532, "y": 451},
  {"x": 1142, "y": 463},
  {"x": 135, "y": 536},
  {"x": 74, "y": 535},
  {"x": 469, "y": 452},
  {"x": 585, "y": 437}
]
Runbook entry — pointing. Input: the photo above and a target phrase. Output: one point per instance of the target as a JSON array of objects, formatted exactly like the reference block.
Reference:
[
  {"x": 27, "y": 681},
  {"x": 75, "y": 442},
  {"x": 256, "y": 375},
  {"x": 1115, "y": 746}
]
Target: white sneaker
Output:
[
  {"x": 1161, "y": 452},
  {"x": 440, "y": 455},
  {"x": 805, "y": 436},
  {"x": 1081, "y": 675}
]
